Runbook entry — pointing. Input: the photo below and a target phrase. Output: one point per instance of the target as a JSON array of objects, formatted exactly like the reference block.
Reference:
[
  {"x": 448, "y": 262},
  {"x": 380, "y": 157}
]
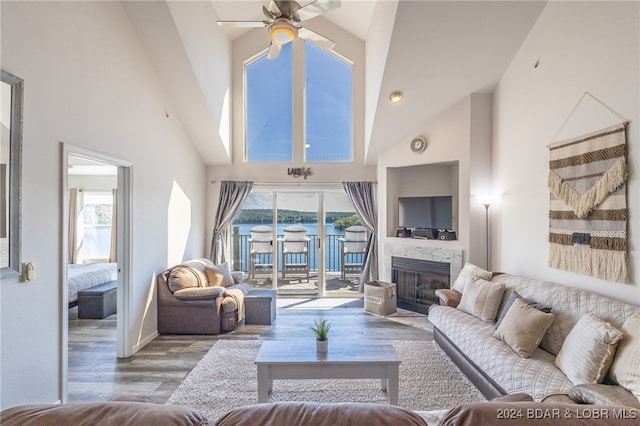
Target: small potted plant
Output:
[{"x": 321, "y": 330}]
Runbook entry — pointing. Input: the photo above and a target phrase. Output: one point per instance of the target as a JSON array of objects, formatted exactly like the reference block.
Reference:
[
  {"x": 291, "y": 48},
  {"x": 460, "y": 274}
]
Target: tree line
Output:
[{"x": 341, "y": 220}]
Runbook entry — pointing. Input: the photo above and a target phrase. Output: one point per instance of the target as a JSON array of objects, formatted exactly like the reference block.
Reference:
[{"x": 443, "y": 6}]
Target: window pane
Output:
[
  {"x": 96, "y": 217},
  {"x": 269, "y": 109},
  {"x": 328, "y": 107}
]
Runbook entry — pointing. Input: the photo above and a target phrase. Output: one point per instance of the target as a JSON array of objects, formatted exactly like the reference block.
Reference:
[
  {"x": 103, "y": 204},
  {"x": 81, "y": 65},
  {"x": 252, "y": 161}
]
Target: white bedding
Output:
[{"x": 81, "y": 277}]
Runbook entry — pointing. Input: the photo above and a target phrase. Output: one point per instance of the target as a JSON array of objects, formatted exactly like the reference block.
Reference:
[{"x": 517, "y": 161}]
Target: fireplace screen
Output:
[{"x": 417, "y": 281}]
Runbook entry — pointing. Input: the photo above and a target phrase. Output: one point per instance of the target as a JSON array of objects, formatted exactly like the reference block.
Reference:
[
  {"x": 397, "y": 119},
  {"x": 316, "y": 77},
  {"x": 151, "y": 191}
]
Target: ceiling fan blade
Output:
[
  {"x": 315, "y": 38},
  {"x": 287, "y": 7},
  {"x": 243, "y": 24},
  {"x": 316, "y": 8},
  {"x": 270, "y": 9},
  {"x": 274, "y": 51}
]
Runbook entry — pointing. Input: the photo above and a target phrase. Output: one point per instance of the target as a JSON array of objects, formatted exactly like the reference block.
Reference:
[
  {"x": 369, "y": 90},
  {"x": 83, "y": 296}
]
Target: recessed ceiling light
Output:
[{"x": 396, "y": 96}]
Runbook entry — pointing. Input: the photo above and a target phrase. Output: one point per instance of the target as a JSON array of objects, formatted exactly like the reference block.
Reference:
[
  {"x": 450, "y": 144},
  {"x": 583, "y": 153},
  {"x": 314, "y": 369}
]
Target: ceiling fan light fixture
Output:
[
  {"x": 396, "y": 96},
  {"x": 282, "y": 32}
]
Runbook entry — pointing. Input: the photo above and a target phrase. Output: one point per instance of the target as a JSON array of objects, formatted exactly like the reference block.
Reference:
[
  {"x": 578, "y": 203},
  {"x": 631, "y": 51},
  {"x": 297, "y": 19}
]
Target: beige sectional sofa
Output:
[{"x": 497, "y": 368}]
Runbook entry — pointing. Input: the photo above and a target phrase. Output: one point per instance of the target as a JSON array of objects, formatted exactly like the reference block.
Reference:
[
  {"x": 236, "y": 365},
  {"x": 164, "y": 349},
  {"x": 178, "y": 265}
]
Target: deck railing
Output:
[{"x": 240, "y": 251}]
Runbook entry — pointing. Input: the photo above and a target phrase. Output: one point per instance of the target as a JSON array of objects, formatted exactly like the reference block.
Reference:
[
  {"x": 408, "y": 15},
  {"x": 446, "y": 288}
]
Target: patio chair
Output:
[
  {"x": 295, "y": 251},
  {"x": 352, "y": 249},
  {"x": 260, "y": 250}
]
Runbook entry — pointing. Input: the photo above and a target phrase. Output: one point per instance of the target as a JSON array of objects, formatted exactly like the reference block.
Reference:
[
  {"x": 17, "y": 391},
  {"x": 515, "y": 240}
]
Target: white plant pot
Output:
[{"x": 322, "y": 346}]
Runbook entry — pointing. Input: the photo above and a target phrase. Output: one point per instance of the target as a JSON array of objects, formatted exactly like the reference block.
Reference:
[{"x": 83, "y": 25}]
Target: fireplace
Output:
[{"x": 417, "y": 281}]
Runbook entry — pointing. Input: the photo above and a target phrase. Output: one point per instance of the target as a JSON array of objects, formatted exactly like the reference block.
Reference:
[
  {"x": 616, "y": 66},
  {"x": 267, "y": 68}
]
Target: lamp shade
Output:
[{"x": 282, "y": 32}]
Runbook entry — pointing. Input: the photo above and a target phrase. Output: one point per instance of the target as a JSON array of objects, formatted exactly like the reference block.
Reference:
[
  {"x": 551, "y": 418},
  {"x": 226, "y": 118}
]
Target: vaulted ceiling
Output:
[{"x": 436, "y": 52}]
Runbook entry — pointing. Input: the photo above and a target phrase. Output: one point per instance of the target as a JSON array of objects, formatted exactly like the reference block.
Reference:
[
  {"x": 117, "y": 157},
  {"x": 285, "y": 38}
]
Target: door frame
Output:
[
  {"x": 322, "y": 189},
  {"x": 124, "y": 253}
]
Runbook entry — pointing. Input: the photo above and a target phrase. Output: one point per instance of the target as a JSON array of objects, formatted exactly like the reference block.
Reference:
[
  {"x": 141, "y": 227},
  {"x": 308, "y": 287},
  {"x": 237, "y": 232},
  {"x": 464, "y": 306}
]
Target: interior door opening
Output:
[{"x": 95, "y": 266}]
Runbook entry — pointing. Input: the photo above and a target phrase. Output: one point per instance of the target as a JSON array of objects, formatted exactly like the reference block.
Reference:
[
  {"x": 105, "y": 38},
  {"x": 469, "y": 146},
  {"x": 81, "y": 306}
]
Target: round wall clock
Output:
[{"x": 418, "y": 144}]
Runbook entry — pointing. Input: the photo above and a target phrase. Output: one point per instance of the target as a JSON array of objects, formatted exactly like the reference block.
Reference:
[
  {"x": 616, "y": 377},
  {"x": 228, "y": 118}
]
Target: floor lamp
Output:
[
  {"x": 486, "y": 201},
  {"x": 486, "y": 227}
]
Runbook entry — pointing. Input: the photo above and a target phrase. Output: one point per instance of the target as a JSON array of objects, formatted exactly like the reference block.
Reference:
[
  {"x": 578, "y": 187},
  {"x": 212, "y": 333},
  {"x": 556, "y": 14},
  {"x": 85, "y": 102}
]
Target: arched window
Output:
[
  {"x": 268, "y": 123},
  {"x": 326, "y": 97}
]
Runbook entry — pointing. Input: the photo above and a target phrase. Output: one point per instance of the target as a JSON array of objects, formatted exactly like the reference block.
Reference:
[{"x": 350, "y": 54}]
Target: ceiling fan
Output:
[{"x": 284, "y": 19}]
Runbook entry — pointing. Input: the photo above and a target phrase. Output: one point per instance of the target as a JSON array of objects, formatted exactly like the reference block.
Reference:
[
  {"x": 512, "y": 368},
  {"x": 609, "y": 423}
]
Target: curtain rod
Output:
[{"x": 296, "y": 183}]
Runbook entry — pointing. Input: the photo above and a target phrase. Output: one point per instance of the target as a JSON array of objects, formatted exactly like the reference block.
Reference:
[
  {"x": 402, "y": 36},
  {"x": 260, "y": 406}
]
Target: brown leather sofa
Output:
[
  {"x": 121, "y": 413},
  {"x": 510, "y": 410}
]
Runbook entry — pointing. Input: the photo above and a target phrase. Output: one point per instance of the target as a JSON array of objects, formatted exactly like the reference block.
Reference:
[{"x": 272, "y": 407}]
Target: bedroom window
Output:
[
  {"x": 305, "y": 83},
  {"x": 97, "y": 210}
]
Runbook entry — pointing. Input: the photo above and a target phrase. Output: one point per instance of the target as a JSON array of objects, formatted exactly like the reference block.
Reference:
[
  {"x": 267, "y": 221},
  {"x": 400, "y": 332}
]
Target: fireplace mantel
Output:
[{"x": 435, "y": 250}]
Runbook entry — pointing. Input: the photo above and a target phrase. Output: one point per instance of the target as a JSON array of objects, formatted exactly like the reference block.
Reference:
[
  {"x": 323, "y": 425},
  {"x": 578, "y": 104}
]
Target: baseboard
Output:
[{"x": 144, "y": 342}]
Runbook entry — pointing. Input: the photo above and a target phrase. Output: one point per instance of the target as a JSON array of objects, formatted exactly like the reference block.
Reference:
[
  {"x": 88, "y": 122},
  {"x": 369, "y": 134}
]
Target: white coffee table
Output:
[{"x": 284, "y": 359}]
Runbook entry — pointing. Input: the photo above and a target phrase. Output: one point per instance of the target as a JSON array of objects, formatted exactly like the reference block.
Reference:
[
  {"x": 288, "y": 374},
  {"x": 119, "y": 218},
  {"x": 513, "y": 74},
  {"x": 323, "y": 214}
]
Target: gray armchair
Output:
[{"x": 187, "y": 305}]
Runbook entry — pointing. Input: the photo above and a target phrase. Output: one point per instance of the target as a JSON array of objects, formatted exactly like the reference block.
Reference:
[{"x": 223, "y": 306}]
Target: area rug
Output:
[{"x": 227, "y": 377}]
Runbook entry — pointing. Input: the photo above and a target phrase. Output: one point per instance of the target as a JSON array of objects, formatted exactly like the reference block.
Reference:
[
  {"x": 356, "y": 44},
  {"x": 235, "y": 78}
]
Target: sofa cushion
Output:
[
  {"x": 523, "y": 327},
  {"x": 568, "y": 305},
  {"x": 515, "y": 295},
  {"x": 625, "y": 369},
  {"x": 481, "y": 299},
  {"x": 469, "y": 270},
  {"x": 538, "y": 376},
  {"x": 588, "y": 350},
  {"x": 102, "y": 414},
  {"x": 320, "y": 414},
  {"x": 603, "y": 394},
  {"x": 199, "y": 293},
  {"x": 536, "y": 414},
  {"x": 219, "y": 275}
]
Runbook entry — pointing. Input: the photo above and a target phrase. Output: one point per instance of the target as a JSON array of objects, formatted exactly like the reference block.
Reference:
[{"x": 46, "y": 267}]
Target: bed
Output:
[{"x": 81, "y": 277}]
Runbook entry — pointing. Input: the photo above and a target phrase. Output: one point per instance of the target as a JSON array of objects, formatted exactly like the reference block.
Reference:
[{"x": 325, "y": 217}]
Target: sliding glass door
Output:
[
  {"x": 299, "y": 242},
  {"x": 299, "y": 237}
]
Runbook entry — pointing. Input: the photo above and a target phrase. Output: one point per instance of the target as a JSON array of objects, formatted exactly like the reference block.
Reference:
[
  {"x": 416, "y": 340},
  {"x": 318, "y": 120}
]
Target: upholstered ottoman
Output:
[
  {"x": 260, "y": 307},
  {"x": 98, "y": 302}
]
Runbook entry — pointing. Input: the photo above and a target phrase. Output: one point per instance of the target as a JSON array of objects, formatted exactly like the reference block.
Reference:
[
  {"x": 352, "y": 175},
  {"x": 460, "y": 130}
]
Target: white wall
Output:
[
  {"x": 580, "y": 46},
  {"x": 458, "y": 138},
  {"x": 89, "y": 83},
  {"x": 324, "y": 174}
]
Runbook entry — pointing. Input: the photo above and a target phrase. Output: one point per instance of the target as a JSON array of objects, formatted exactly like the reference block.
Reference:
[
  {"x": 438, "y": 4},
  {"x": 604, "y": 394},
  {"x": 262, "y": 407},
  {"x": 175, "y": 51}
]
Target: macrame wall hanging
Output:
[{"x": 588, "y": 206}]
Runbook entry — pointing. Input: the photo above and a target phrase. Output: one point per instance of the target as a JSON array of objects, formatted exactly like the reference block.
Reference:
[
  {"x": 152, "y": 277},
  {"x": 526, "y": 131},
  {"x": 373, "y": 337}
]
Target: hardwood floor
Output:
[{"x": 95, "y": 374}]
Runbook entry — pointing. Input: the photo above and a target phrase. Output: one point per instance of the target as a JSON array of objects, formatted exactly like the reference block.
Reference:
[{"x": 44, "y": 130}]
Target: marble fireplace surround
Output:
[{"x": 436, "y": 251}]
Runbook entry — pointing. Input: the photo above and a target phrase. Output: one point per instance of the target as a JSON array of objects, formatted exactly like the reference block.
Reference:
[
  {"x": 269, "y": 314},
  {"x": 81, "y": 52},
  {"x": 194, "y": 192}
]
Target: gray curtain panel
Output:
[
  {"x": 363, "y": 197},
  {"x": 232, "y": 195},
  {"x": 75, "y": 201}
]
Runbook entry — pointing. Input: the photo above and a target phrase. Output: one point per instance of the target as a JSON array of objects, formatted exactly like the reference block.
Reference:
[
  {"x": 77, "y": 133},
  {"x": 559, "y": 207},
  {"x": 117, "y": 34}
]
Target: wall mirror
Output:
[{"x": 11, "y": 92}]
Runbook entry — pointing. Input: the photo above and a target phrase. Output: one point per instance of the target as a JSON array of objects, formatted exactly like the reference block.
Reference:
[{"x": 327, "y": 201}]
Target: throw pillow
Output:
[
  {"x": 481, "y": 299},
  {"x": 219, "y": 275},
  {"x": 515, "y": 295},
  {"x": 625, "y": 369},
  {"x": 588, "y": 350},
  {"x": 183, "y": 276},
  {"x": 469, "y": 270},
  {"x": 523, "y": 327}
]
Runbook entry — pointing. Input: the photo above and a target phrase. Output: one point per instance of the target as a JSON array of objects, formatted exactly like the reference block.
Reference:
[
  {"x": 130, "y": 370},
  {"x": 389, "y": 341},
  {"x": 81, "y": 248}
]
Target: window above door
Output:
[{"x": 300, "y": 102}]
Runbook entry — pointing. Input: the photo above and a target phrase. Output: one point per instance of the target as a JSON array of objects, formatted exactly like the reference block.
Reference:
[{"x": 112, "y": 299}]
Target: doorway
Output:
[
  {"x": 95, "y": 261},
  {"x": 302, "y": 232}
]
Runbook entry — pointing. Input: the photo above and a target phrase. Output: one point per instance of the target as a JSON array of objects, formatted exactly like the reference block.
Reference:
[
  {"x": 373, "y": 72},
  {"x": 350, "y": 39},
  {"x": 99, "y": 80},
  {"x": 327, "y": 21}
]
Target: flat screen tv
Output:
[{"x": 426, "y": 212}]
